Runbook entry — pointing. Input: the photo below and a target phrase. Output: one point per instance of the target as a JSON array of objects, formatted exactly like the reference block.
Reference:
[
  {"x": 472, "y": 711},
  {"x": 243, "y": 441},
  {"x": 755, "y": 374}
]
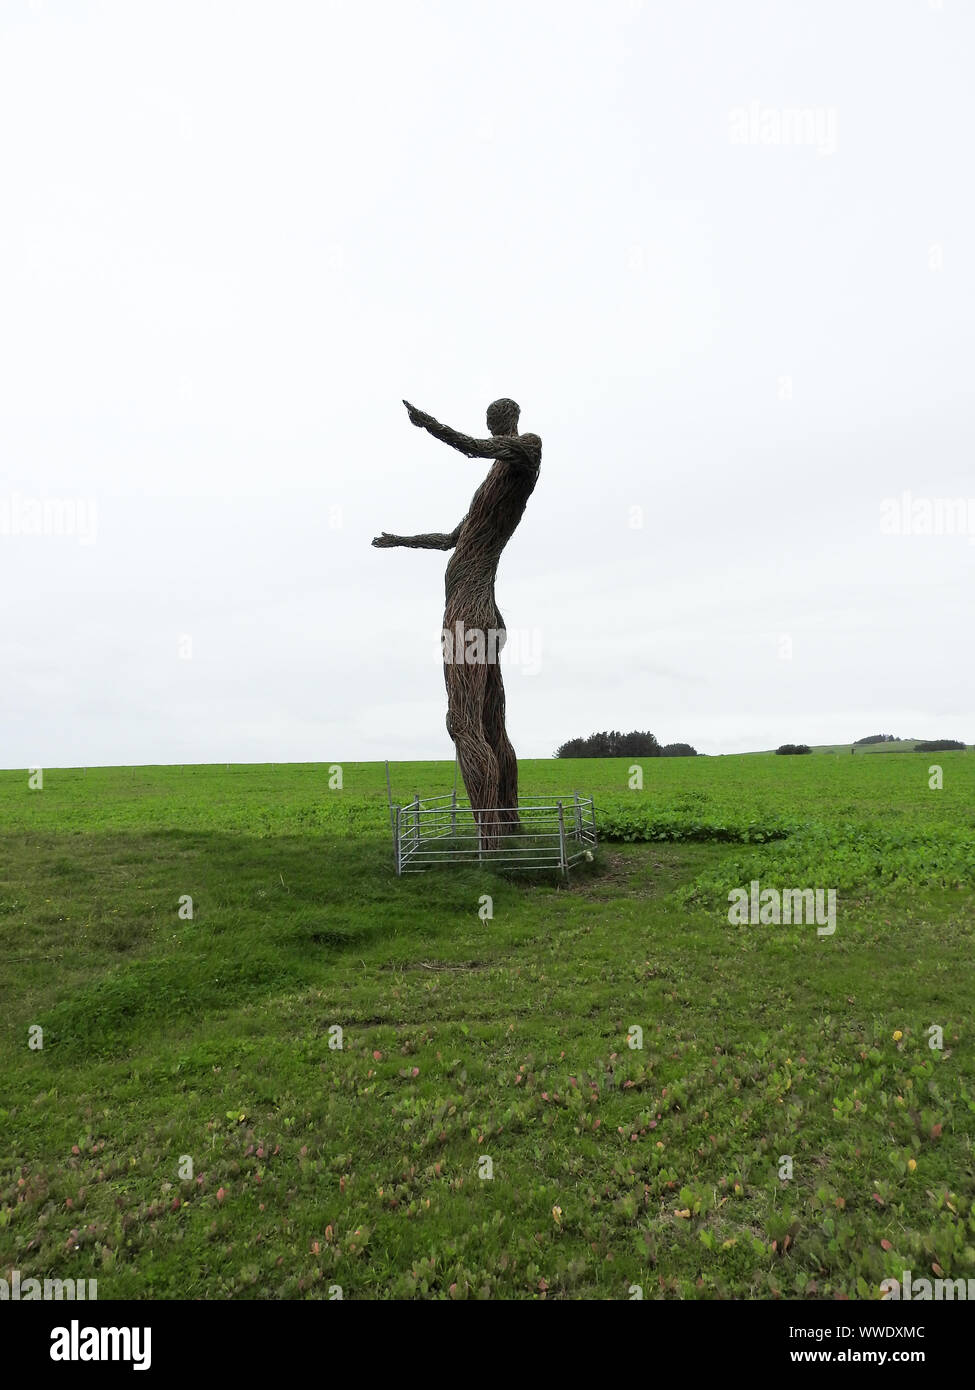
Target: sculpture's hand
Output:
[
  {"x": 417, "y": 417},
  {"x": 386, "y": 540}
]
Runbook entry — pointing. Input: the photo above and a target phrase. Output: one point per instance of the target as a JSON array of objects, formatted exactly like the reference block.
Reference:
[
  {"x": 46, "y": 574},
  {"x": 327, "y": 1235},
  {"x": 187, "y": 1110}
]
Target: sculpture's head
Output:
[{"x": 502, "y": 417}]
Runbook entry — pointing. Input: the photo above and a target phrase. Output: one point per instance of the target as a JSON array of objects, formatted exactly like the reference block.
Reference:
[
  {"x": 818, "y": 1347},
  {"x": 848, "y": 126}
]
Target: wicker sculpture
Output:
[{"x": 473, "y": 627}]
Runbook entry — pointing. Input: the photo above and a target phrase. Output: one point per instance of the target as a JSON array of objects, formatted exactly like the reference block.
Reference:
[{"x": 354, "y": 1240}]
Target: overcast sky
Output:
[{"x": 721, "y": 254}]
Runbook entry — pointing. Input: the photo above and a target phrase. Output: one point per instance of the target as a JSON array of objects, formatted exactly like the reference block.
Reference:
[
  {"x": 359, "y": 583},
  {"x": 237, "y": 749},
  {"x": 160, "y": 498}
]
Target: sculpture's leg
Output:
[
  {"x": 466, "y": 689},
  {"x": 497, "y": 736}
]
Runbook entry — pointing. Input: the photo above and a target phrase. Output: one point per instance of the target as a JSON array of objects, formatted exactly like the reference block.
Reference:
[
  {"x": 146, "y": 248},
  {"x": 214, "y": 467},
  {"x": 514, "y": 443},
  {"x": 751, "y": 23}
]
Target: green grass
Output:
[{"x": 504, "y": 1038}]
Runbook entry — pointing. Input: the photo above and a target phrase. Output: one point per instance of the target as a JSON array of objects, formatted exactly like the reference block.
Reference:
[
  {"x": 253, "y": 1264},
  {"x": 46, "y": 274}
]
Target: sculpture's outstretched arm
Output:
[
  {"x": 500, "y": 447},
  {"x": 432, "y": 541}
]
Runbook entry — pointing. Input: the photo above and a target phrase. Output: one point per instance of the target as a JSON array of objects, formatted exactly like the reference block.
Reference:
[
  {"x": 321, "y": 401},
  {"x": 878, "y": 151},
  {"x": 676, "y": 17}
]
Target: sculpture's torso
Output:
[{"x": 495, "y": 511}]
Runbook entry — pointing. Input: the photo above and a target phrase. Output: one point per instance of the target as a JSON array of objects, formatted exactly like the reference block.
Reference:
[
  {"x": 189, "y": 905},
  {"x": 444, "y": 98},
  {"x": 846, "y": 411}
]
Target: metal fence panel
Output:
[{"x": 555, "y": 834}]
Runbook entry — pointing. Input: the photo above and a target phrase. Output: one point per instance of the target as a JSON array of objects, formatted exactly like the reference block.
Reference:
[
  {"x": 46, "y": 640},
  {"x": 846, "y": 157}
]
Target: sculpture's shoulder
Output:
[{"x": 531, "y": 445}]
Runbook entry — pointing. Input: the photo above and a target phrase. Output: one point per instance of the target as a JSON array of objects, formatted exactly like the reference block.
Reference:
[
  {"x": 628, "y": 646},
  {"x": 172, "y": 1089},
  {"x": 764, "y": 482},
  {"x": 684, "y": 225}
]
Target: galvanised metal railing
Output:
[{"x": 554, "y": 833}]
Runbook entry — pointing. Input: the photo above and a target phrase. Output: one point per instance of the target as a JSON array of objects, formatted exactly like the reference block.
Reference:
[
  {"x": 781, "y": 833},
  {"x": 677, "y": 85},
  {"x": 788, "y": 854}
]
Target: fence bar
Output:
[{"x": 564, "y": 866}]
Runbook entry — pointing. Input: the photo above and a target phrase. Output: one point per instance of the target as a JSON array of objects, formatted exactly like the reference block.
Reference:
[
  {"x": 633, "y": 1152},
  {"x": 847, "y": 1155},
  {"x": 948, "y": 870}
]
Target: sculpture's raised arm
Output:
[{"x": 499, "y": 447}]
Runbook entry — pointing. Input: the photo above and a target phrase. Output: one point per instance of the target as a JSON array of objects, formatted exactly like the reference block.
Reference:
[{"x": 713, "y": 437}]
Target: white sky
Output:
[{"x": 234, "y": 236}]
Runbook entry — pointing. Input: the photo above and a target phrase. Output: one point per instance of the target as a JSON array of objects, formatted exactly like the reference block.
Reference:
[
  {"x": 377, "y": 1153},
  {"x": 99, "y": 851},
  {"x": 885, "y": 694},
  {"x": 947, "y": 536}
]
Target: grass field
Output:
[{"x": 170, "y": 1040}]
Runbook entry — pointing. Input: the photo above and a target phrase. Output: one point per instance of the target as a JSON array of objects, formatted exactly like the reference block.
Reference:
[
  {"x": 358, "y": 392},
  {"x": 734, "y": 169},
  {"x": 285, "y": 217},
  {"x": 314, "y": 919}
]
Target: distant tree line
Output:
[
  {"x": 937, "y": 745},
  {"x": 876, "y": 738},
  {"x": 611, "y": 745},
  {"x": 636, "y": 744},
  {"x": 793, "y": 748}
]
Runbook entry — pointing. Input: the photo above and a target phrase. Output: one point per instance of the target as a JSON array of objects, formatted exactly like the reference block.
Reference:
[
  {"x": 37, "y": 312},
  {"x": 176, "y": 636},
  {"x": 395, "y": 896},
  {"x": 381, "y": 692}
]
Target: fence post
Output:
[
  {"x": 397, "y": 850},
  {"x": 562, "y": 864},
  {"x": 389, "y": 794},
  {"x": 453, "y": 814},
  {"x": 578, "y": 817}
]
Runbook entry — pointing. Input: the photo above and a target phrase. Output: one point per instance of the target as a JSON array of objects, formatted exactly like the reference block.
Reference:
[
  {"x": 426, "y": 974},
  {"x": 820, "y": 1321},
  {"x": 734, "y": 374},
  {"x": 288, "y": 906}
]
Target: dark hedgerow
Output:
[
  {"x": 611, "y": 744},
  {"x": 938, "y": 745},
  {"x": 793, "y": 748}
]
